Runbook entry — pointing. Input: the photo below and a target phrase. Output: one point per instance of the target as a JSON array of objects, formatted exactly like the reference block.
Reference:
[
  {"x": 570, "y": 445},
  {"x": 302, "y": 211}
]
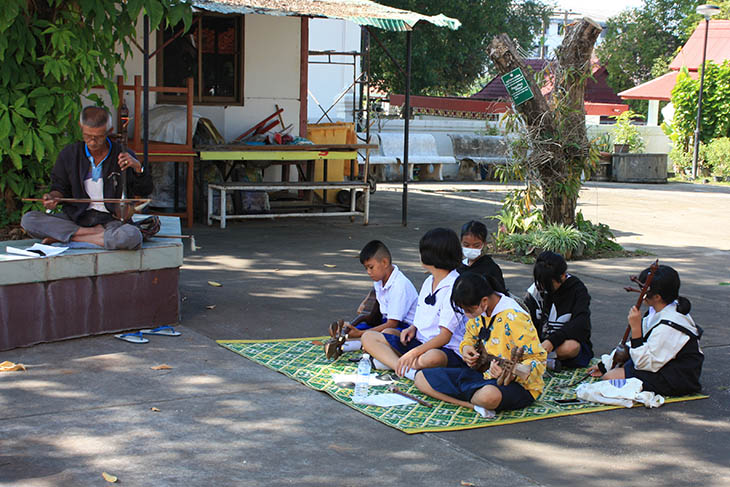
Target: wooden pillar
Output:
[{"x": 303, "y": 77}]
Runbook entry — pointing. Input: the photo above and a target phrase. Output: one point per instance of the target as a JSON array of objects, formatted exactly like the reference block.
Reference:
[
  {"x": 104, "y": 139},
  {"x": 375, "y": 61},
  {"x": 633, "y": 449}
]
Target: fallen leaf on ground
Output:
[
  {"x": 317, "y": 342},
  {"x": 330, "y": 265},
  {"x": 277, "y": 270},
  {"x": 9, "y": 366},
  {"x": 161, "y": 367},
  {"x": 215, "y": 284},
  {"x": 109, "y": 477},
  {"x": 467, "y": 484},
  {"x": 211, "y": 306},
  {"x": 155, "y": 409}
]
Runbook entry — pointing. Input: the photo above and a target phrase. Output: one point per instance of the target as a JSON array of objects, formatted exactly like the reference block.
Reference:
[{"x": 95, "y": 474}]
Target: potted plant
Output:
[
  {"x": 626, "y": 136},
  {"x": 602, "y": 146}
]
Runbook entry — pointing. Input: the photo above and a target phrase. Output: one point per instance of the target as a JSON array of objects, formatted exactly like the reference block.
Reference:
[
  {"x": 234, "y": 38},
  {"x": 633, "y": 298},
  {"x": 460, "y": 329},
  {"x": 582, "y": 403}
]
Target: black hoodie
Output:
[
  {"x": 486, "y": 266},
  {"x": 562, "y": 315}
]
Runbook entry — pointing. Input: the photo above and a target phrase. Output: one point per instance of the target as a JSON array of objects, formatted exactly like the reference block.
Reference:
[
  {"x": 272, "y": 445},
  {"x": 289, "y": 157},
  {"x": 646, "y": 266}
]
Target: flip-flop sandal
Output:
[
  {"x": 167, "y": 331},
  {"x": 135, "y": 337}
]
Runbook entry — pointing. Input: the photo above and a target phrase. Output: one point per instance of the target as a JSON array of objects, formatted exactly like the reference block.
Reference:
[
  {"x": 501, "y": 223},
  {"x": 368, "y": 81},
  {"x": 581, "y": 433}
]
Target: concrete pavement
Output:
[{"x": 84, "y": 406}]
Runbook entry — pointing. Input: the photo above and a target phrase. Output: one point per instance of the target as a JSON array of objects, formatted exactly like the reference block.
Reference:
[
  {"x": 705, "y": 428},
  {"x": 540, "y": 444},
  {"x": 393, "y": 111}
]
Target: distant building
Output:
[
  {"x": 554, "y": 30},
  {"x": 690, "y": 57},
  {"x": 600, "y": 100}
]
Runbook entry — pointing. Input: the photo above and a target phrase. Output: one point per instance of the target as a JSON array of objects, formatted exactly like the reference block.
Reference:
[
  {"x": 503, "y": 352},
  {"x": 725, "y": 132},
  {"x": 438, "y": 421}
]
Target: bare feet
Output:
[{"x": 94, "y": 235}]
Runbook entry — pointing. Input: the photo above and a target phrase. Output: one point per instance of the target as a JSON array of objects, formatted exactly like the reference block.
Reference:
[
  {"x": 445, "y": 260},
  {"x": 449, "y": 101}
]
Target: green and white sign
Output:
[{"x": 517, "y": 86}]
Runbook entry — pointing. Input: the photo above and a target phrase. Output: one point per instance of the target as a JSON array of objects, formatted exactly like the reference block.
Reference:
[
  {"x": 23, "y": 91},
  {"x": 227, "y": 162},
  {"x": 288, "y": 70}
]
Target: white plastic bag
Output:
[{"x": 619, "y": 392}]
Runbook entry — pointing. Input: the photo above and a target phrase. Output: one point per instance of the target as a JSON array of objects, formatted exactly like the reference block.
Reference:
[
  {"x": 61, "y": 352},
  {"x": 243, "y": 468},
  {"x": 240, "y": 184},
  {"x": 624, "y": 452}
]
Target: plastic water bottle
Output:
[{"x": 363, "y": 379}]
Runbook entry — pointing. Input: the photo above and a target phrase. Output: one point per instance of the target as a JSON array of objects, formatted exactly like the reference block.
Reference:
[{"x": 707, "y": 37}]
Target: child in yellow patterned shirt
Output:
[{"x": 506, "y": 326}]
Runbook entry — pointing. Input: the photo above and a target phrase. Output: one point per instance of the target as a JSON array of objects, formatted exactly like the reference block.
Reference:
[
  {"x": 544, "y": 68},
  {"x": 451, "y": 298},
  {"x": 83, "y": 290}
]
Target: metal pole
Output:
[
  {"x": 146, "y": 90},
  {"x": 696, "y": 153},
  {"x": 405, "y": 128}
]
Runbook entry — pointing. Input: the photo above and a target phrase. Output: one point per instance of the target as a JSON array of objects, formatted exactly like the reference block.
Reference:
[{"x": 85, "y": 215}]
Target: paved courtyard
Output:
[{"x": 84, "y": 406}]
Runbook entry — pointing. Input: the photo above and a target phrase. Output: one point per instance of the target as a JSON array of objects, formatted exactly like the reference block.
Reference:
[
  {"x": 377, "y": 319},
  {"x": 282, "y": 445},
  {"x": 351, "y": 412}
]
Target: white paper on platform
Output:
[
  {"x": 372, "y": 381},
  {"x": 387, "y": 400},
  {"x": 48, "y": 250}
]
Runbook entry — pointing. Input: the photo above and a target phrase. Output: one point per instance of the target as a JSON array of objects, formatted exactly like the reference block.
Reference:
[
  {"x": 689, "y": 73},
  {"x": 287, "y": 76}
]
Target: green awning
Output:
[{"x": 362, "y": 12}]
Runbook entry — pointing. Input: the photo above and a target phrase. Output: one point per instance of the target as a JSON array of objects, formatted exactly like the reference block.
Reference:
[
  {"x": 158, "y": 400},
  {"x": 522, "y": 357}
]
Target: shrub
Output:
[
  {"x": 563, "y": 239},
  {"x": 598, "y": 237},
  {"x": 718, "y": 157},
  {"x": 624, "y": 132}
]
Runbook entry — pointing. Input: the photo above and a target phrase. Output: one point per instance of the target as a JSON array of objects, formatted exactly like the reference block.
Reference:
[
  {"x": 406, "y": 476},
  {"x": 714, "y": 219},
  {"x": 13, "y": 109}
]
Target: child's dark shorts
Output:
[
  {"x": 453, "y": 359},
  {"x": 364, "y": 326},
  {"x": 463, "y": 382},
  {"x": 583, "y": 359}
]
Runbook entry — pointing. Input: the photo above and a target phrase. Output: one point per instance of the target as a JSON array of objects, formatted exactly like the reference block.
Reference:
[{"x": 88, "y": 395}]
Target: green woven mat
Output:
[{"x": 303, "y": 360}]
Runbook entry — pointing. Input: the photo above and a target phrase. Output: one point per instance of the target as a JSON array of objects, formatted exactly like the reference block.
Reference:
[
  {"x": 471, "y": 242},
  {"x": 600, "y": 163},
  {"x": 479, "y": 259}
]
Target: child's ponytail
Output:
[{"x": 683, "y": 305}]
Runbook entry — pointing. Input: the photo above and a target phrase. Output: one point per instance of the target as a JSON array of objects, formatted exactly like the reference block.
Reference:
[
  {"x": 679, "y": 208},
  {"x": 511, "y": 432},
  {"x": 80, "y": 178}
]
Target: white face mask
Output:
[{"x": 471, "y": 254}]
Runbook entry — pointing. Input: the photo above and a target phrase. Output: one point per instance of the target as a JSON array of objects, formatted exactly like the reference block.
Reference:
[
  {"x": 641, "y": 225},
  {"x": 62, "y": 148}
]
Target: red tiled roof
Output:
[
  {"x": 597, "y": 90},
  {"x": 657, "y": 89},
  {"x": 495, "y": 90},
  {"x": 718, "y": 46},
  {"x": 439, "y": 105}
]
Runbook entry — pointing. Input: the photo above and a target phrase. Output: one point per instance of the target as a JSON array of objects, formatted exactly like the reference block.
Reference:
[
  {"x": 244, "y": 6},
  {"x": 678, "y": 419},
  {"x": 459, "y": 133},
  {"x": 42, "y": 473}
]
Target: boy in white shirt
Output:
[
  {"x": 395, "y": 304},
  {"x": 433, "y": 339}
]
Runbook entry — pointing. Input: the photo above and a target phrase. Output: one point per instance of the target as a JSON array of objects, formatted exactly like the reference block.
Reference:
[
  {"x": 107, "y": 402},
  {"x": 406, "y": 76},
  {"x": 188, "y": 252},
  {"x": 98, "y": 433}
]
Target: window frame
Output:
[{"x": 198, "y": 97}]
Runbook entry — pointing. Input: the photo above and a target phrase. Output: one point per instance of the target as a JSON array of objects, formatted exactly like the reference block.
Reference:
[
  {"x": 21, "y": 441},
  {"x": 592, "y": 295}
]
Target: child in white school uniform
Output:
[
  {"x": 395, "y": 294},
  {"x": 664, "y": 348},
  {"x": 433, "y": 339}
]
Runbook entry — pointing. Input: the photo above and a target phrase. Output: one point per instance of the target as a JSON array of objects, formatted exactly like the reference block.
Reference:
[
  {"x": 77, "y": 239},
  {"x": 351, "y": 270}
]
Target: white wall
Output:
[
  {"x": 271, "y": 75},
  {"x": 328, "y": 81},
  {"x": 656, "y": 141}
]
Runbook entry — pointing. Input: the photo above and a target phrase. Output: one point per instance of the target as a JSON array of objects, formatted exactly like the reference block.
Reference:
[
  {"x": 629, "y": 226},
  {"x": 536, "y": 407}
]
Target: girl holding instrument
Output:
[
  {"x": 497, "y": 325},
  {"x": 664, "y": 348}
]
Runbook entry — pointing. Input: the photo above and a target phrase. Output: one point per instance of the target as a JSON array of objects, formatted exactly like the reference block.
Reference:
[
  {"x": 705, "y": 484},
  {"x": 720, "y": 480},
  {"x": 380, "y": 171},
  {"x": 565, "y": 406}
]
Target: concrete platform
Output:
[
  {"x": 85, "y": 292},
  {"x": 84, "y": 406}
]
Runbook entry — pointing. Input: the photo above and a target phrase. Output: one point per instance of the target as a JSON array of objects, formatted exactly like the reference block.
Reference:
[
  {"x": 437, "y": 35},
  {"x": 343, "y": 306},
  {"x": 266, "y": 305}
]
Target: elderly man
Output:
[{"x": 91, "y": 170}]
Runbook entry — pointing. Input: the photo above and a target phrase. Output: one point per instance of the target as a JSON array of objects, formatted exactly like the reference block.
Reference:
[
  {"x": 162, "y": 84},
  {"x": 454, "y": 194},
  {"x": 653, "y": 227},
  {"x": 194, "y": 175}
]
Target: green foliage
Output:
[
  {"x": 624, "y": 132},
  {"x": 598, "y": 237},
  {"x": 715, "y": 104},
  {"x": 603, "y": 143},
  {"x": 582, "y": 239},
  {"x": 715, "y": 114},
  {"x": 559, "y": 238},
  {"x": 639, "y": 42},
  {"x": 446, "y": 62},
  {"x": 51, "y": 52},
  {"x": 718, "y": 157}
]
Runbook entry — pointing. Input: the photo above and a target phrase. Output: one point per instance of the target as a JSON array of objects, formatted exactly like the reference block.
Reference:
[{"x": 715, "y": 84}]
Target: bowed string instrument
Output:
[{"x": 621, "y": 352}]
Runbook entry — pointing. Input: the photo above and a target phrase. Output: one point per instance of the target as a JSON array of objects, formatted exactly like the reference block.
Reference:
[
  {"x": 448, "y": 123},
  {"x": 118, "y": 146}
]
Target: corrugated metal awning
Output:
[{"x": 362, "y": 12}]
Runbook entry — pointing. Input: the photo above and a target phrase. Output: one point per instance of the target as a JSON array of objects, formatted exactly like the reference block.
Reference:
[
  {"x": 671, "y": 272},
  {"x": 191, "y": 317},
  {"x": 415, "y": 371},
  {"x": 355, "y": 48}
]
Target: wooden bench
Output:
[
  {"x": 89, "y": 291},
  {"x": 224, "y": 188}
]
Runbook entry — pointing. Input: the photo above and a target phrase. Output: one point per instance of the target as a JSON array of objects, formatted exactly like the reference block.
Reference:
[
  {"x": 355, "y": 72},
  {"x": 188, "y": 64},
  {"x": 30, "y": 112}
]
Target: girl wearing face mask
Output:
[
  {"x": 473, "y": 246},
  {"x": 501, "y": 324}
]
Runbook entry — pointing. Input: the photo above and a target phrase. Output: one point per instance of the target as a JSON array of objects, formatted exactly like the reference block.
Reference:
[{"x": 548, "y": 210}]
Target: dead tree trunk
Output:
[{"x": 556, "y": 128}]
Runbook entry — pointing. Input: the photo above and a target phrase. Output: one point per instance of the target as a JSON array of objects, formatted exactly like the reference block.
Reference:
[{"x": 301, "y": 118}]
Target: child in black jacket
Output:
[{"x": 560, "y": 308}]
